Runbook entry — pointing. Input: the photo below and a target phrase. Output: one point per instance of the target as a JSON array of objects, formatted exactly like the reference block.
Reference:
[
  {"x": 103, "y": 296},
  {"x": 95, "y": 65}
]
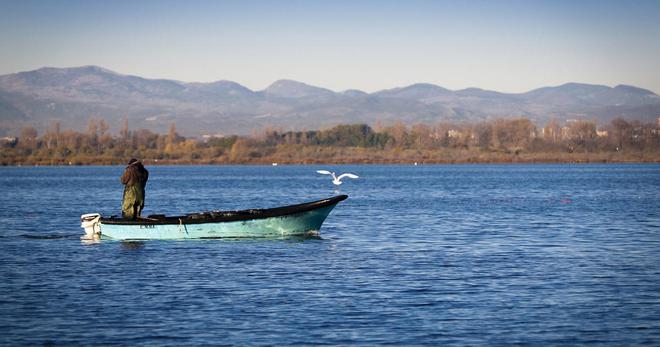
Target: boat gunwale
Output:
[{"x": 229, "y": 216}]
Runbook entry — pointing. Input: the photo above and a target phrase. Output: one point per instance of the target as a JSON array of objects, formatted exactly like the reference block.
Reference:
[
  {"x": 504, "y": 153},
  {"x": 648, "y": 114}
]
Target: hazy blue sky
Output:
[{"x": 511, "y": 46}]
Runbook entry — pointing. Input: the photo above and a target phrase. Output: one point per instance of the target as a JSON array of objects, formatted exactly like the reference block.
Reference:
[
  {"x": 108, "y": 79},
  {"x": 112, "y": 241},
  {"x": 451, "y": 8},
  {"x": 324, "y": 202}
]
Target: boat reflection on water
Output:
[
  {"x": 132, "y": 245},
  {"x": 90, "y": 239},
  {"x": 310, "y": 235}
]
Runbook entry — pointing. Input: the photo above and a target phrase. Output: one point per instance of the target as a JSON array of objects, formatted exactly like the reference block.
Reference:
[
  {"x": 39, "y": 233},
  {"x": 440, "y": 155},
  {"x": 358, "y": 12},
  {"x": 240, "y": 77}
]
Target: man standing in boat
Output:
[{"x": 134, "y": 179}]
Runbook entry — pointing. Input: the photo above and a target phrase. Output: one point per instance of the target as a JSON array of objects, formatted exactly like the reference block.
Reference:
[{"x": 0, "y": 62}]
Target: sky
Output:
[{"x": 508, "y": 46}]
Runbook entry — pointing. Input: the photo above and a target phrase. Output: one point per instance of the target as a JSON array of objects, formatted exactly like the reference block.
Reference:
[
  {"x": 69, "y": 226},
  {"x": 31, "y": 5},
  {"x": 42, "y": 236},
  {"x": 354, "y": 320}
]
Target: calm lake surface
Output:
[{"x": 418, "y": 255}]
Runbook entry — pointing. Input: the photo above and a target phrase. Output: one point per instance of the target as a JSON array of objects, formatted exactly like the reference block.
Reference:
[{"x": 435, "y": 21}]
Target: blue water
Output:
[{"x": 425, "y": 255}]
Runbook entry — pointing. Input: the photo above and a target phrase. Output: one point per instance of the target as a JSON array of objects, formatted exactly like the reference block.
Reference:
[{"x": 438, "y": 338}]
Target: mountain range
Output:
[{"x": 73, "y": 95}]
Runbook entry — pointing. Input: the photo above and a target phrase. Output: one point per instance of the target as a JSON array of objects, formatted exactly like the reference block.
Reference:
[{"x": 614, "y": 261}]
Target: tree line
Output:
[{"x": 499, "y": 140}]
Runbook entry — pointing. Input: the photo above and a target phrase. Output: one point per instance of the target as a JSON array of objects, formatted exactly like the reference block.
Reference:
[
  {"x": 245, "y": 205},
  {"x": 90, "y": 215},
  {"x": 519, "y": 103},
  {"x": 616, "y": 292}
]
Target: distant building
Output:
[
  {"x": 601, "y": 133},
  {"x": 207, "y": 137},
  {"x": 453, "y": 133},
  {"x": 8, "y": 141}
]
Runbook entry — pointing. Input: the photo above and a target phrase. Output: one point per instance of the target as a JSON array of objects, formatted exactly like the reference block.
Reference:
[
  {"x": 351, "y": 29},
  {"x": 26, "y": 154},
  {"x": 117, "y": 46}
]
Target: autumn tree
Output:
[
  {"x": 93, "y": 135},
  {"x": 52, "y": 136},
  {"x": 513, "y": 132},
  {"x": 239, "y": 150},
  {"x": 398, "y": 134},
  {"x": 28, "y": 137},
  {"x": 172, "y": 139},
  {"x": 483, "y": 134},
  {"x": 581, "y": 134},
  {"x": 422, "y": 136},
  {"x": 621, "y": 132},
  {"x": 552, "y": 131}
]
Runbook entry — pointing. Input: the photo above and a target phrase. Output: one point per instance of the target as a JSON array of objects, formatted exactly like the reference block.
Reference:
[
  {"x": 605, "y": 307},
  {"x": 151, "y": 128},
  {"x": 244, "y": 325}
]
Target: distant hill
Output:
[{"x": 72, "y": 95}]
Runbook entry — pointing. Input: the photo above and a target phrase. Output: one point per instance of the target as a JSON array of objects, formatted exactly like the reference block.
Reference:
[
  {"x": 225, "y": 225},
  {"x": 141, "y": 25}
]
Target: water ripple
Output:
[{"x": 426, "y": 255}]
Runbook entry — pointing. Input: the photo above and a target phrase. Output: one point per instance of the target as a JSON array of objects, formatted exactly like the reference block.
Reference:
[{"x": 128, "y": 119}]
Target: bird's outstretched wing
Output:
[
  {"x": 324, "y": 172},
  {"x": 349, "y": 175}
]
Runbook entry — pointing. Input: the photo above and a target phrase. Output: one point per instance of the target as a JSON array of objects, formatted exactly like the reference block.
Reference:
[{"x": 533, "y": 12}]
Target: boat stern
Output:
[{"x": 90, "y": 222}]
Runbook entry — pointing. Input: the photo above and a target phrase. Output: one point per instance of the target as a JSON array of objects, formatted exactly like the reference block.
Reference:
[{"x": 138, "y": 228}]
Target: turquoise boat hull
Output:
[{"x": 293, "y": 220}]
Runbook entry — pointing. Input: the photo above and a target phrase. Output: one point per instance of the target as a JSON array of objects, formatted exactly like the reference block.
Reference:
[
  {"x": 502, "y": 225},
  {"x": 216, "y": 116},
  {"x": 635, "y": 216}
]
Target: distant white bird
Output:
[{"x": 337, "y": 180}]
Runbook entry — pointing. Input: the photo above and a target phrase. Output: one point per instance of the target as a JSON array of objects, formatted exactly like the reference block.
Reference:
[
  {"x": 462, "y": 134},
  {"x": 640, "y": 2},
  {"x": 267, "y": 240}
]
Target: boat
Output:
[{"x": 293, "y": 220}]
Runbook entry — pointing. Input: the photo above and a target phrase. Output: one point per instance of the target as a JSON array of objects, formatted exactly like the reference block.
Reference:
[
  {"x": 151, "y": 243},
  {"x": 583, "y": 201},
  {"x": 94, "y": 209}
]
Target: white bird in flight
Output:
[{"x": 337, "y": 180}]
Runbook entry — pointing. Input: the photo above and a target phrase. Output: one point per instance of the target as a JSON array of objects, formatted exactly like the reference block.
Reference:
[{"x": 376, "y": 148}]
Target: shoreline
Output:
[
  {"x": 496, "y": 141},
  {"x": 151, "y": 162}
]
